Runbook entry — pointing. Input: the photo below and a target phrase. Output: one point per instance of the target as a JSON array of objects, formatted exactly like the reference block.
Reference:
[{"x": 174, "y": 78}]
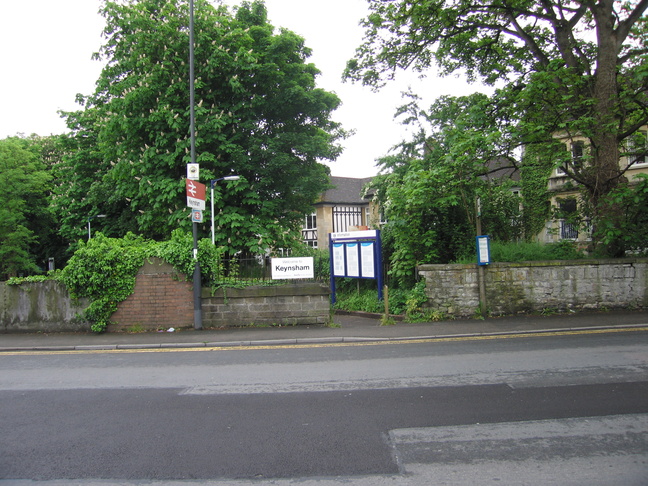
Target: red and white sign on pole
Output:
[{"x": 195, "y": 194}]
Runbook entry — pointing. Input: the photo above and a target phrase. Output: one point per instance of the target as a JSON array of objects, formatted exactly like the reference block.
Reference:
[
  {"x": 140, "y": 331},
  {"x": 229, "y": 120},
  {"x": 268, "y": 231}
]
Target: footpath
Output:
[{"x": 346, "y": 328}]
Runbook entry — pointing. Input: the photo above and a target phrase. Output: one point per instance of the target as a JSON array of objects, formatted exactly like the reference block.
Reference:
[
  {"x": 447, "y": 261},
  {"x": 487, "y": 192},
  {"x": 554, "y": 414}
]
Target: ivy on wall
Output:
[
  {"x": 104, "y": 269},
  {"x": 535, "y": 170}
]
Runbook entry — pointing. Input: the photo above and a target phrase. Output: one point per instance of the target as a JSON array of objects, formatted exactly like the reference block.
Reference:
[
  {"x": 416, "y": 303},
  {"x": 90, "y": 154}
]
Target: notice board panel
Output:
[{"x": 356, "y": 254}]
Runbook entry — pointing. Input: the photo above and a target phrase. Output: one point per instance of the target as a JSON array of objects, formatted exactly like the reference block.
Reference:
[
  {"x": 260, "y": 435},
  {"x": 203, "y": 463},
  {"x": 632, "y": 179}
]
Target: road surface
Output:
[{"x": 563, "y": 409}]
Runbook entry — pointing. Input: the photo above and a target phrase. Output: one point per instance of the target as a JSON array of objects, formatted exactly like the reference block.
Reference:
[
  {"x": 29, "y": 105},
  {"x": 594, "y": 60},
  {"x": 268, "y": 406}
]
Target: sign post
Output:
[
  {"x": 196, "y": 195},
  {"x": 483, "y": 259},
  {"x": 196, "y": 201},
  {"x": 193, "y": 171},
  {"x": 356, "y": 254}
]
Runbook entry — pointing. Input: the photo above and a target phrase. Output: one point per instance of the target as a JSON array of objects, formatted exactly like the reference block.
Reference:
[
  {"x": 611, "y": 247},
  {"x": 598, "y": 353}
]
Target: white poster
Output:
[
  {"x": 353, "y": 264},
  {"x": 338, "y": 260},
  {"x": 483, "y": 250},
  {"x": 367, "y": 258},
  {"x": 289, "y": 268}
]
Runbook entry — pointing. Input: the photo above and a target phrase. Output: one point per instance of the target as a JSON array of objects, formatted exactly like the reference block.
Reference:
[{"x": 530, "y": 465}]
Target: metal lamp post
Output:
[
  {"x": 92, "y": 217},
  {"x": 192, "y": 128},
  {"x": 214, "y": 181},
  {"x": 197, "y": 285}
]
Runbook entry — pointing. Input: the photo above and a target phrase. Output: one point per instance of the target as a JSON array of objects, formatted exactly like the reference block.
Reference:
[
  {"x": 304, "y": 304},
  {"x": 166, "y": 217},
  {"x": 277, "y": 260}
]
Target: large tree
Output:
[
  {"x": 429, "y": 186},
  {"x": 25, "y": 221},
  {"x": 563, "y": 68},
  {"x": 259, "y": 115}
]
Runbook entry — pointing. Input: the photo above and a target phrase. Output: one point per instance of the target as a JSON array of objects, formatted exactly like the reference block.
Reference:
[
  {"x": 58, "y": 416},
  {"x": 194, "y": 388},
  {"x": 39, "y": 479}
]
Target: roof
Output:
[
  {"x": 346, "y": 190},
  {"x": 501, "y": 168}
]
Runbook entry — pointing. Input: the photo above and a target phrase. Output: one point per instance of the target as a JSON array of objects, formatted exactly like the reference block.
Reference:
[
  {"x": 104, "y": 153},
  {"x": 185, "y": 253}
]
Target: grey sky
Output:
[{"x": 46, "y": 45}]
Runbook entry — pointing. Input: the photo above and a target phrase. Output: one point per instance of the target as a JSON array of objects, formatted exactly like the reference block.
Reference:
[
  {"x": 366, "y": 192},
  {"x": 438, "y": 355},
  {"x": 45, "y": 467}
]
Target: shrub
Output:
[
  {"x": 528, "y": 251},
  {"x": 359, "y": 301}
]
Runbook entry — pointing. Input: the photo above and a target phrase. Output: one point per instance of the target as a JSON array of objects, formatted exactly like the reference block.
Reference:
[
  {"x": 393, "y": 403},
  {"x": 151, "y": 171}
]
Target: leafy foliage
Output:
[
  {"x": 535, "y": 169},
  {"x": 103, "y": 270},
  {"x": 363, "y": 301},
  {"x": 259, "y": 115},
  {"x": 631, "y": 231},
  {"x": 24, "y": 212},
  {"x": 430, "y": 187},
  {"x": 563, "y": 68},
  {"x": 31, "y": 279},
  {"x": 178, "y": 251},
  {"x": 521, "y": 251}
]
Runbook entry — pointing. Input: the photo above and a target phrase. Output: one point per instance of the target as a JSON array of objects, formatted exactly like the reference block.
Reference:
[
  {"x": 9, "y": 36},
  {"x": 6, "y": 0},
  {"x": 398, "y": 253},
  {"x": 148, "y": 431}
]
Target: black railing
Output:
[
  {"x": 258, "y": 270},
  {"x": 568, "y": 231}
]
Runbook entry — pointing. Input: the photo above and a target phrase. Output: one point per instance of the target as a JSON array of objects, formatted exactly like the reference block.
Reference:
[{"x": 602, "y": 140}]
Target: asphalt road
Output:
[{"x": 523, "y": 409}]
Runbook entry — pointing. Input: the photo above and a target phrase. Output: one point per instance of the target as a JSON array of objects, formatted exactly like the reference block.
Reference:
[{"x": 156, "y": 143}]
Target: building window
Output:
[
  {"x": 577, "y": 157},
  {"x": 309, "y": 230},
  {"x": 311, "y": 221},
  {"x": 578, "y": 152},
  {"x": 345, "y": 216},
  {"x": 638, "y": 149},
  {"x": 568, "y": 223},
  {"x": 383, "y": 218}
]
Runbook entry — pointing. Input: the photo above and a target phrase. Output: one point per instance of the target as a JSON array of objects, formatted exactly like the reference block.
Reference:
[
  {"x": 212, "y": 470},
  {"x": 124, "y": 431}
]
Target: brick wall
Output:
[
  {"x": 534, "y": 286},
  {"x": 162, "y": 299}
]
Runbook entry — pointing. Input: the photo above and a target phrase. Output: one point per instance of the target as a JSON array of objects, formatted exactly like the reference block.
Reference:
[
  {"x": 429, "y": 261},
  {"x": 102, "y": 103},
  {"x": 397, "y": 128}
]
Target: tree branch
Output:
[{"x": 623, "y": 30}]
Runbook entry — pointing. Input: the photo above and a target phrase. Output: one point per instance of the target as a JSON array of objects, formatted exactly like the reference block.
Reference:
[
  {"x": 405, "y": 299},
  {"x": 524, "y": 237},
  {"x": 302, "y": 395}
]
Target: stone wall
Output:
[
  {"x": 40, "y": 307},
  {"x": 535, "y": 286},
  {"x": 302, "y": 303},
  {"x": 163, "y": 298}
]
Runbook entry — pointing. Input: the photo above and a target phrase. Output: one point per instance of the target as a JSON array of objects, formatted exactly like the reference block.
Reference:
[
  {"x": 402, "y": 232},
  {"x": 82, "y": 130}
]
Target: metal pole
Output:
[
  {"x": 212, "y": 214},
  {"x": 480, "y": 268},
  {"x": 89, "y": 218},
  {"x": 192, "y": 127}
]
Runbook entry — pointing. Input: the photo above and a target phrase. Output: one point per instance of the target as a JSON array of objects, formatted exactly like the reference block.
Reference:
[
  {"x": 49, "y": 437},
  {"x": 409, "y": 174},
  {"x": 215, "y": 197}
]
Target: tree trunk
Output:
[{"x": 605, "y": 173}]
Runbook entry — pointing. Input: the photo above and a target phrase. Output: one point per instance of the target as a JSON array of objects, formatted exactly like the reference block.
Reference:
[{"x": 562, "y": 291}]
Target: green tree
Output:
[
  {"x": 259, "y": 115},
  {"x": 430, "y": 187},
  {"x": 23, "y": 206},
  {"x": 568, "y": 68}
]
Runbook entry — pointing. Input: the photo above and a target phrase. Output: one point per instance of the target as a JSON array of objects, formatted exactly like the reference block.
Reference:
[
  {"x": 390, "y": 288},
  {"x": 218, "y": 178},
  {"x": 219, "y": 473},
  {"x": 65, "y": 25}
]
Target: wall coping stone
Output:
[
  {"x": 156, "y": 266},
  {"x": 538, "y": 263},
  {"x": 306, "y": 288}
]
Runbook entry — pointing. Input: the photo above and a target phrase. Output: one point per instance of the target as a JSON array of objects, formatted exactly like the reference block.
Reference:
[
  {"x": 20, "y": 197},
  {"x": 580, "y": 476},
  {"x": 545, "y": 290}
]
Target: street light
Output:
[
  {"x": 214, "y": 181},
  {"x": 192, "y": 128},
  {"x": 91, "y": 217}
]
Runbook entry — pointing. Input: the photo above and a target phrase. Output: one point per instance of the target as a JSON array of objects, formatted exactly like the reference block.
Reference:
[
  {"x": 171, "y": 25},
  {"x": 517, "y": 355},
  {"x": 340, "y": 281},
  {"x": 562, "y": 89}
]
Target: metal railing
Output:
[
  {"x": 258, "y": 270},
  {"x": 568, "y": 230}
]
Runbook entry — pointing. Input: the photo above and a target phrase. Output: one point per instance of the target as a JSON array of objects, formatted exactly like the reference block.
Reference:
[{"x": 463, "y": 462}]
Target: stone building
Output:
[{"x": 340, "y": 209}]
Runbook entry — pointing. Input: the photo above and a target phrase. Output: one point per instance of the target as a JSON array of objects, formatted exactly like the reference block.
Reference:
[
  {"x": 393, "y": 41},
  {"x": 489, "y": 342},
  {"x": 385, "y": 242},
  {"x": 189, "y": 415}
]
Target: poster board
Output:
[
  {"x": 483, "y": 250},
  {"x": 356, "y": 254}
]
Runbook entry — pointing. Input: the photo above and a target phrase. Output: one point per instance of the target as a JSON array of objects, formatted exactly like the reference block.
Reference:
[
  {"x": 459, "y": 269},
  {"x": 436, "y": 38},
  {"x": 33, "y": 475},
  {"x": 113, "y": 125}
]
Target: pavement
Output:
[{"x": 347, "y": 328}]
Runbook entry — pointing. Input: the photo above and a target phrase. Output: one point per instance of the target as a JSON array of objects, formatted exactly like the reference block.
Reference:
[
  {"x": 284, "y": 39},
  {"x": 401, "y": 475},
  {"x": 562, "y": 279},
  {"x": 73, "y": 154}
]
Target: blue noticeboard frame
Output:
[
  {"x": 483, "y": 250},
  {"x": 356, "y": 254}
]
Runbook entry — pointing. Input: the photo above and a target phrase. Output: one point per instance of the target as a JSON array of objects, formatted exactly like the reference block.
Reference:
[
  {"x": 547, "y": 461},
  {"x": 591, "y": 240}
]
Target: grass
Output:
[{"x": 528, "y": 252}]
